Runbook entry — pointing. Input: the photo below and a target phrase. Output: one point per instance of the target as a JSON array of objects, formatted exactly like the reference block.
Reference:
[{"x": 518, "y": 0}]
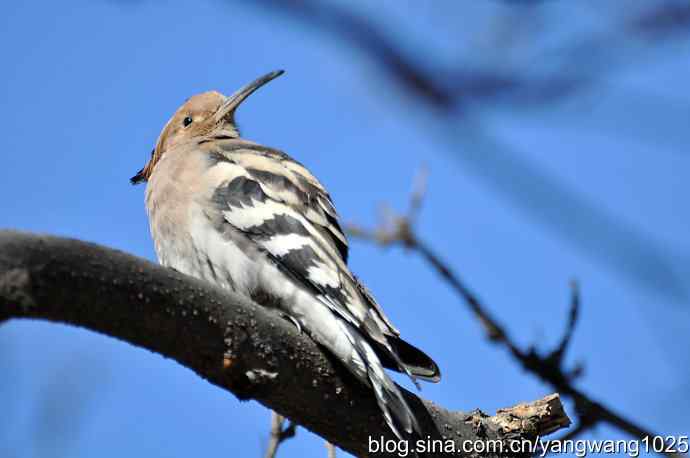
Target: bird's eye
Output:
[{"x": 187, "y": 121}]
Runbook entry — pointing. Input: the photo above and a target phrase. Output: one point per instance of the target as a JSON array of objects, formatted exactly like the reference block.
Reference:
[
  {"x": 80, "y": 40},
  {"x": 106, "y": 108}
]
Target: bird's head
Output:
[{"x": 209, "y": 113}]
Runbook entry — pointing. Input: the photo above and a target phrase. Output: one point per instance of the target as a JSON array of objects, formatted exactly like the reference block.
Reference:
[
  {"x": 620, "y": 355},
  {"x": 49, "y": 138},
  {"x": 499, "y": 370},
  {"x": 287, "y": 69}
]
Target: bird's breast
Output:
[
  {"x": 187, "y": 226},
  {"x": 170, "y": 193}
]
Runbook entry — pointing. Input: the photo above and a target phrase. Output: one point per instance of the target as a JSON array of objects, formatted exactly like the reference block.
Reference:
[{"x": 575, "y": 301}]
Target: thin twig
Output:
[
  {"x": 330, "y": 449},
  {"x": 556, "y": 357},
  {"x": 419, "y": 188},
  {"x": 278, "y": 434},
  {"x": 548, "y": 368},
  {"x": 568, "y": 68}
]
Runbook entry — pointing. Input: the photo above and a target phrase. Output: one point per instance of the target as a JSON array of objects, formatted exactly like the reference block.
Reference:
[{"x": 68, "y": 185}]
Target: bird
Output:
[{"x": 251, "y": 219}]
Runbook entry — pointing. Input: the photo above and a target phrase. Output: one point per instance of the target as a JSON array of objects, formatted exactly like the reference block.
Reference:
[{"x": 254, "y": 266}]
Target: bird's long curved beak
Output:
[{"x": 230, "y": 105}]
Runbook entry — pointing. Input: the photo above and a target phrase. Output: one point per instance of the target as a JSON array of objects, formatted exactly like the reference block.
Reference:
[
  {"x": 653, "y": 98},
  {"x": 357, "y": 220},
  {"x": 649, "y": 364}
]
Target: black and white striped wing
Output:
[
  {"x": 283, "y": 208},
  {"x": 287, "y": 213},
  {"x": 285, "y": 180}
]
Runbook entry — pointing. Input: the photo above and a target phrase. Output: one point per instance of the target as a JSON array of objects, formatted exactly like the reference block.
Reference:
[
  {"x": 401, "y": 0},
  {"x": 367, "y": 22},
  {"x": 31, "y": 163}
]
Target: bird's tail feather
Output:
[
  {"x": 395, "y": 410},
  {"x": 414, "y": 360}
]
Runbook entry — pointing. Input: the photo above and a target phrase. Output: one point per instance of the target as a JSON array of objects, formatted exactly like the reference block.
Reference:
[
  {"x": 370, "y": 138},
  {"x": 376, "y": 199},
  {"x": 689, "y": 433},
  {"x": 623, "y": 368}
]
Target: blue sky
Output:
[{"x": 87, "y": 86}]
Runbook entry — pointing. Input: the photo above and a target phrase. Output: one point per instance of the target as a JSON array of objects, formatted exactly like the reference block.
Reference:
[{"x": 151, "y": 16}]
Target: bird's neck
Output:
[{"x": 226, "y": 130}]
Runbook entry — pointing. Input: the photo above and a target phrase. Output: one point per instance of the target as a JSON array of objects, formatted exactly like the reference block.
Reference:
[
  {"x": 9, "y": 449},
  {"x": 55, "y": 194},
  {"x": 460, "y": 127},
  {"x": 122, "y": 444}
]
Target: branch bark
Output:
[{"x": 229, "y": 341}]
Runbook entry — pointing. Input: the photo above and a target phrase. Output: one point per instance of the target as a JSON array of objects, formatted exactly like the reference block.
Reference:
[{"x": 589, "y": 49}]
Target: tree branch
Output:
[
  {"x": 226, "y": 339},
  {"x": 279, "y": 434},
  {"x": 548, "y": 368},
  {"x": 567, "y": 68},
  {"x": 330, "y": 450}
]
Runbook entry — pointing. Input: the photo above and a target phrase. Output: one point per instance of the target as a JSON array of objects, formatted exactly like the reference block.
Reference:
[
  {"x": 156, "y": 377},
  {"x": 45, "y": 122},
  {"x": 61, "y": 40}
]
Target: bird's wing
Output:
[
  {"x": 286, "y": 180},
  {"x": 284, "y": 209}
]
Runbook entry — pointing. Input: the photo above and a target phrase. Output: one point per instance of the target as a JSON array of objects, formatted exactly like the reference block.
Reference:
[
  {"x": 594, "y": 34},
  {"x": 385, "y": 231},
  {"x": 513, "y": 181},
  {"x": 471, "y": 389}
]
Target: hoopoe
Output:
[{"x": 252, "y": 219}]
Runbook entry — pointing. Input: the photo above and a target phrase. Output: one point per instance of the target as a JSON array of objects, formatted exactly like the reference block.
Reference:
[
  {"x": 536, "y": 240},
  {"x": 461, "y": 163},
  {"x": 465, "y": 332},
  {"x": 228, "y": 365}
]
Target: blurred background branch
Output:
[{"x": 530, "y": 68}]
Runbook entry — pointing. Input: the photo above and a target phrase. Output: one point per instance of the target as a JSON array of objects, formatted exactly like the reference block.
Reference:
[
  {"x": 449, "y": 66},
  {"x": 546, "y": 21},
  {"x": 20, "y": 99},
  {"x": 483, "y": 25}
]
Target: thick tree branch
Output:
[{"x": 226, "y": 339}]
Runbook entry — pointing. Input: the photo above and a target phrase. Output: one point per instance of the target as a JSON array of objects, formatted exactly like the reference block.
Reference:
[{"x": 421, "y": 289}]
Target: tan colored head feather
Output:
[{"x": 201, "y": 115}]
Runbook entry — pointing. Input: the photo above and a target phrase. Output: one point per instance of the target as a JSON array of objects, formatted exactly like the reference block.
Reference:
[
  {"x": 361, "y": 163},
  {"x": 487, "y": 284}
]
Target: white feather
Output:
[
  {"x": 282, "y": 244},
  {"x": 321, "y": 274}
]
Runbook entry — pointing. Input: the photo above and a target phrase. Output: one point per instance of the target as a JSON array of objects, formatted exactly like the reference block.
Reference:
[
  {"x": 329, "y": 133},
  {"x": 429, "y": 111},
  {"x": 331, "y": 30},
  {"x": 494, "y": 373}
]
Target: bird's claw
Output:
[{"x": 293, "y": 320}]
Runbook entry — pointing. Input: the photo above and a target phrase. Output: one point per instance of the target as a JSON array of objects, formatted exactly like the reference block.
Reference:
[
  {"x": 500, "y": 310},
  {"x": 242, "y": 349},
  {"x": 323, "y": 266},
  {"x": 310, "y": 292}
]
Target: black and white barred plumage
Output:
[{"x": 252, "y": 219}]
